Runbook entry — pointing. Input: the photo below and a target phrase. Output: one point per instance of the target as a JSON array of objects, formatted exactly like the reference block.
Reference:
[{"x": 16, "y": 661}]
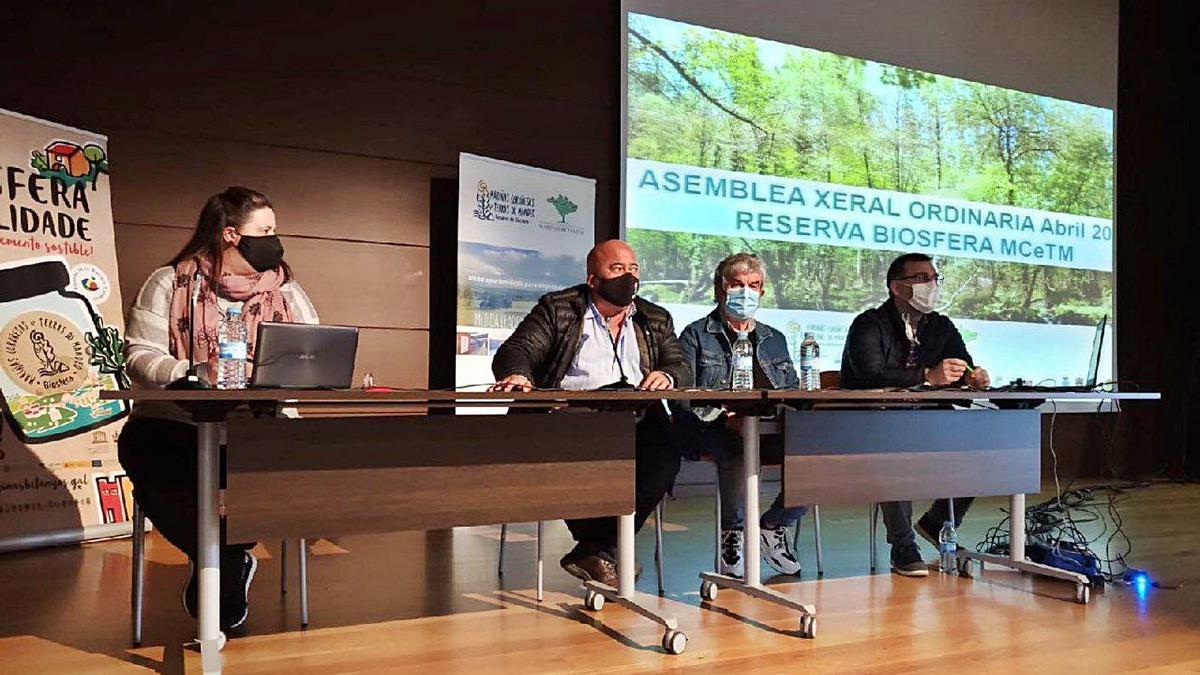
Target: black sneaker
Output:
[
  {"x": 191, "y": 591},
  {"x": 235, "y": 593},
  {"x": 907, "y": 562}
]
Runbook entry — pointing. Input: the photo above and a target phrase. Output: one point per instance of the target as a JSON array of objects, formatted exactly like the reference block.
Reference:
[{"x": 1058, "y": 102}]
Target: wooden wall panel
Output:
[
  {"x": 350, "y": 283},
  {"x": 320, "y": 194},
  {"x": 141, "y": 249},
  {"x": 341, "y": 114},
  {"x": 411, "y": 120},
  {"x": 360, "y": 284},
  {"x": 397, "y": 358}
]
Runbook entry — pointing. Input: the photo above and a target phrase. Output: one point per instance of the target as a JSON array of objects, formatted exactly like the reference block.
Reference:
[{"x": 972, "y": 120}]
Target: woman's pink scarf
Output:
[{"x": 259, "y": 292}]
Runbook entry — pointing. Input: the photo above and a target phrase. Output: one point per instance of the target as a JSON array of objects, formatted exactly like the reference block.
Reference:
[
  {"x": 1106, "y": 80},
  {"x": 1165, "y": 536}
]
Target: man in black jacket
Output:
[
  {"x": 590, "y": 336},
  {"x": 904, "y": 343}
]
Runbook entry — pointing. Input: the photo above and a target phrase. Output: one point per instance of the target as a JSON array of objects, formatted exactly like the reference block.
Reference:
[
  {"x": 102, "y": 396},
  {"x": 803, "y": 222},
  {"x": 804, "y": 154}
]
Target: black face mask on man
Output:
[
  {"x": 618, "y": 290},
  {"x": 263, "y": 253}
]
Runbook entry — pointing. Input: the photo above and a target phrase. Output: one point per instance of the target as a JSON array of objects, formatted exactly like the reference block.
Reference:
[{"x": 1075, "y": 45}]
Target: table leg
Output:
[
  {"x": 541, "y": 530},
  {"x": 208, "y": 539},
  {"x": 751, "y": 461},
  {"x": 1016, "y": 527},
  {"x": 1016, "y": 555},
  {"x": 673, "y": 641},
  {"x": 752, "y": 586},
  {"x": 625, "y": 556}
]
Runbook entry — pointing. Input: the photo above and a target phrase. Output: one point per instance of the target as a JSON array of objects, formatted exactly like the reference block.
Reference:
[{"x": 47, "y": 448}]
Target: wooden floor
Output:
[{"x": 426, "y": 602}]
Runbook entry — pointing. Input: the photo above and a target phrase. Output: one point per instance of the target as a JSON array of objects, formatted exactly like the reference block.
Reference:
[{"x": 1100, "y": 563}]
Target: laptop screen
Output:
[
  {"x": 304, "y": 356},
  {"x": 1097, "y": 348}
]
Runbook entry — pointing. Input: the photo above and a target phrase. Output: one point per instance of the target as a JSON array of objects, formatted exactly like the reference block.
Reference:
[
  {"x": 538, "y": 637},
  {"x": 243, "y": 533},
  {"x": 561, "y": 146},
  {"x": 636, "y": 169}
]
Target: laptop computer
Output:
[{"x": 304, "y": 356}]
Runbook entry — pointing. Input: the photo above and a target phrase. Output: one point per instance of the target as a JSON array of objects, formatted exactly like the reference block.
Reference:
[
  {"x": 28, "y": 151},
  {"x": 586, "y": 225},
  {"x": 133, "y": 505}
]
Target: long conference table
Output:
[{"x": 381, "y": 461}]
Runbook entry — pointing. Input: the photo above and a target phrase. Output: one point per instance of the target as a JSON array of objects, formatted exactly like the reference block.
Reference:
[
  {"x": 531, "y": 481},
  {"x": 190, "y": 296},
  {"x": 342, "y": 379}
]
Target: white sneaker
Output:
[
  {"x": 732, "y": 564},
  {"x": 777, "y": 550}
]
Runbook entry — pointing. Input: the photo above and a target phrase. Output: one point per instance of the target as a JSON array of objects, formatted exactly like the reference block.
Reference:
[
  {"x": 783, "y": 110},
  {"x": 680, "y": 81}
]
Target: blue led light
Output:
[{"x": 1141, "y": 584}]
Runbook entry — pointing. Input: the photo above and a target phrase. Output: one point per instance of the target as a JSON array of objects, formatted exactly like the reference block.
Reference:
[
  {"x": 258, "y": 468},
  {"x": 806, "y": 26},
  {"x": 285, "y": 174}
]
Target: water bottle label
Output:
[
  {"x": 743, "y": 362},
  {"x": 232, "y": 350}
]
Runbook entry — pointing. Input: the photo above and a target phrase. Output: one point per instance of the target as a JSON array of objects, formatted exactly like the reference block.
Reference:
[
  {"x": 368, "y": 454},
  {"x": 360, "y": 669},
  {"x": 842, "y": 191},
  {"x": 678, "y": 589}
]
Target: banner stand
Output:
[
  {"x": 61, "y": 339},
  {"x": 65, "y": 537}
]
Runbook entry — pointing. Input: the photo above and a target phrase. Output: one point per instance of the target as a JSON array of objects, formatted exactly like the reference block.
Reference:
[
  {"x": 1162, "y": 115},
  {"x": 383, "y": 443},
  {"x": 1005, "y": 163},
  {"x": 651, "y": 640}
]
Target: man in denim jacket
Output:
[{"x": 714, "y": 434}]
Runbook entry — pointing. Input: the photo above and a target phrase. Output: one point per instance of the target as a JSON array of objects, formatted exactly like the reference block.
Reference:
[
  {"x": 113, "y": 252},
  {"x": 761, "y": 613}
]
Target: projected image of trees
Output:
[{"x": 713, "y": 99}]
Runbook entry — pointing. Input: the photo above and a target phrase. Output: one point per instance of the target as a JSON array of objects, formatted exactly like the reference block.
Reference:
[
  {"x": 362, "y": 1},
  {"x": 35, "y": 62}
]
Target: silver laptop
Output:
[{"x": 304, "y": 356}]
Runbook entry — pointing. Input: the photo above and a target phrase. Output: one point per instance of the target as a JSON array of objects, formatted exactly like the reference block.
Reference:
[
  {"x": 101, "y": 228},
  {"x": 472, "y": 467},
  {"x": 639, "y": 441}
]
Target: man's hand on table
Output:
[
  {"x": 979, "y": 379},
  {"x": 513, "y": 383},
  {"x": 946, "y": 372},
  {"x": 656, "y": 380}
]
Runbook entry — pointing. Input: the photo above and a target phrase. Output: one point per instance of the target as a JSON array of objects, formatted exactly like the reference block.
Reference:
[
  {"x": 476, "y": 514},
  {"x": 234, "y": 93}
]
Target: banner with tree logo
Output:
[
  {"x": 522, "y": 232},
  {"x": 60, "y": 338}
]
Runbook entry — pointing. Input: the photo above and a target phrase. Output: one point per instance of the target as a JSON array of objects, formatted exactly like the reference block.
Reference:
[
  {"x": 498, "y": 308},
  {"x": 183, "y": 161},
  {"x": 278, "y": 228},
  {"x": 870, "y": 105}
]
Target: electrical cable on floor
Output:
[{"x": 1056, "y": 522}]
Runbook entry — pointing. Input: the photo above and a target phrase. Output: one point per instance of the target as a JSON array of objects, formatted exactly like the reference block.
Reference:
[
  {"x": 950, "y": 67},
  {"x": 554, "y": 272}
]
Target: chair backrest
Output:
[{"x": 831, "y": 379}]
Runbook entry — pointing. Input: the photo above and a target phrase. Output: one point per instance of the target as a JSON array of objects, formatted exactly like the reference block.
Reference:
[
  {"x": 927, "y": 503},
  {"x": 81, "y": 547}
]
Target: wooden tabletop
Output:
[
  {"x": 427, "y": 396},
  {"x": 784, "y": 395},
  {"x": 715, "y": 395}
]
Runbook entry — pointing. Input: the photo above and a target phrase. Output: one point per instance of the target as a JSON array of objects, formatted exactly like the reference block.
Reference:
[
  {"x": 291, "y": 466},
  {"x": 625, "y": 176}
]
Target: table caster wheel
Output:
[
  {"x": 708, "y": 591},
  {"x": 1082, "y": 594},
  {"x": 964, "y": 568},
  {"x": 674, "y": 642},
  {"x": 808, "y": 626},
  {"x": 593, "y": 601}
]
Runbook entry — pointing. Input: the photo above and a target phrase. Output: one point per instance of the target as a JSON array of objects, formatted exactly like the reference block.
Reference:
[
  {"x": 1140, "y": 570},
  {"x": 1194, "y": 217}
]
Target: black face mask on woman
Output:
[
  {"x": 263, "y": 253},
  {"x": 618, "y": 290}
]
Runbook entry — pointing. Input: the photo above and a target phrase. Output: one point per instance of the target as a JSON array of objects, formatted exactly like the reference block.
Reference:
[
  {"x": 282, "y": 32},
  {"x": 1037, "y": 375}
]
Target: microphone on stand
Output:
[{"x": 190, "y": 379}]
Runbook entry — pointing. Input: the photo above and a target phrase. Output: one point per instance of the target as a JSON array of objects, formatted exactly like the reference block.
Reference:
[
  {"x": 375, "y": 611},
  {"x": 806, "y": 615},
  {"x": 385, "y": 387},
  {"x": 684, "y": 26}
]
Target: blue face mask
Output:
[{"x": 741, "y": 303}]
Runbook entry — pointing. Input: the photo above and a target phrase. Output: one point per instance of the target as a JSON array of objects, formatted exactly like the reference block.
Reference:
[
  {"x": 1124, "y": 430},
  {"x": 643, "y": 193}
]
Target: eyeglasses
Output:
[{"x": 922, "y": 278}]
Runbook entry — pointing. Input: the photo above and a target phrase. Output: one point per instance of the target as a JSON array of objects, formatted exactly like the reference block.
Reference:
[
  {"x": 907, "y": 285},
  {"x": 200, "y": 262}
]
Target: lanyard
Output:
[
  {"x": 614, "y": 341},
  {"x": 616, "y": 349}
]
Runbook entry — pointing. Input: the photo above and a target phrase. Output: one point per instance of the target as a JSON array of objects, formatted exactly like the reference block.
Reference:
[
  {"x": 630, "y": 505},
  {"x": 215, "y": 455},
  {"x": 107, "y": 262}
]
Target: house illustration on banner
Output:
[{"x": 69, "y": 158}]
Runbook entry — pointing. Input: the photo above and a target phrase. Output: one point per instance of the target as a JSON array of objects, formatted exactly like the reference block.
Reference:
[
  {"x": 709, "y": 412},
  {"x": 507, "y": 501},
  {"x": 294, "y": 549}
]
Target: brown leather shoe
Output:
[{"x": 590, "y": 566}]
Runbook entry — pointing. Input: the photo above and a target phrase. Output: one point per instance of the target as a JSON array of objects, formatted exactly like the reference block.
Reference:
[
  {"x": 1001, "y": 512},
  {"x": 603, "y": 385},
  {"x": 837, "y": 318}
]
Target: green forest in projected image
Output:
[{"x": 713, "y": 99}]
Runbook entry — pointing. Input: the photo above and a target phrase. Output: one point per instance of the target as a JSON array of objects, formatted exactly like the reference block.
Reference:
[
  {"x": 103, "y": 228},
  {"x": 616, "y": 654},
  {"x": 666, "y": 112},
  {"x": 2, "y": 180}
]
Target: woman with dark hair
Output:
[{"x": 234, "y": 258}]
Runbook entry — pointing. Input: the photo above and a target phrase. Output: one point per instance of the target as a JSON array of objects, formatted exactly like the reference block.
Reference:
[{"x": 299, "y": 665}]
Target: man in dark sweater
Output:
[
  {"x": 905, "y": 343},
  {"x": 591, "y": 336}
]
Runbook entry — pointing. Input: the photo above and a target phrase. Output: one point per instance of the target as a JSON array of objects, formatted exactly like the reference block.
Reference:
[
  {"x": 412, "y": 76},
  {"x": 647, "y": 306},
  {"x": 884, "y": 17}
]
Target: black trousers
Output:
[
  {"x": 897, "y": 518},
  {"x": 657, "y": 461},
  {"x": 159, "y": 456}
]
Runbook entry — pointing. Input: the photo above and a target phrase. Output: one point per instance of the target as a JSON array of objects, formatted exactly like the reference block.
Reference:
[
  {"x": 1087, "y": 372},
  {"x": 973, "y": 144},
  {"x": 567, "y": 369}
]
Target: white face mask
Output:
[{"x": 925, "y": 296}]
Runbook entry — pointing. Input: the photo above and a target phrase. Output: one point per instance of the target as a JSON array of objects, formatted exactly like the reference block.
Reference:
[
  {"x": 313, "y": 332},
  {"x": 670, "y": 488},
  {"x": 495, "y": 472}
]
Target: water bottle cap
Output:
[
  {"x": 233, "y": 310},
  {"x": 743, "y": 335},
  {"x": 948, "y": 523},
  {"x": 809, "y": 334}
]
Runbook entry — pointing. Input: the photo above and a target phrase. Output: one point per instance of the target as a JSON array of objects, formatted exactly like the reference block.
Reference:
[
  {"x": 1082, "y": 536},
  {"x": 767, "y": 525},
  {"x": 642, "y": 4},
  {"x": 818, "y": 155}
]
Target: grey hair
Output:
[{"x": 731, "y": 265}]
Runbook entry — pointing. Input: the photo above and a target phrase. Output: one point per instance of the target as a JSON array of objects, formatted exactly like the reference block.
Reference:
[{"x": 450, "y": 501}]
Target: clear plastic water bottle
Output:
[
  {"x": 743, "y": 362},
  {"x": 948, "y": 547},
  {"x": 231, "y": 350},
  {"x": 810, "y": 374}
]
